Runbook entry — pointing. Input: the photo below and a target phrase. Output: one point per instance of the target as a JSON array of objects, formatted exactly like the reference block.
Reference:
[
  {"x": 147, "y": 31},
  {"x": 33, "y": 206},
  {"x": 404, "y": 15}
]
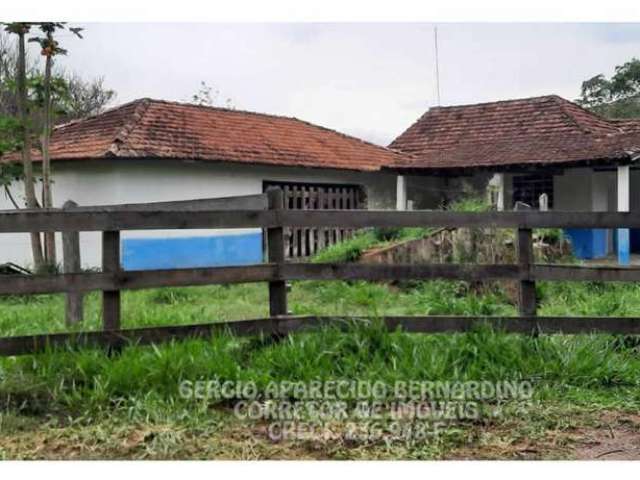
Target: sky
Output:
[{"x": 371, "y": 80}]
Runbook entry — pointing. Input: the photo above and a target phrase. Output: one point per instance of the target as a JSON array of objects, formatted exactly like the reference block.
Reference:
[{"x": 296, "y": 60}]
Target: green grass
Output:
[
  {"x": 45, "y": 313},
  {"x": 93, "y": 378},
  {"x": 90, "y": 382},
  {"x": 348, "y": 251},
  {"x": 102, "y": 402}
]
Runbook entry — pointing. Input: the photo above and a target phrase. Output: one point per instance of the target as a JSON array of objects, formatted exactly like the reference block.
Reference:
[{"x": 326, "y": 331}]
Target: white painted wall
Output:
[{"x": 104, "y": 182}]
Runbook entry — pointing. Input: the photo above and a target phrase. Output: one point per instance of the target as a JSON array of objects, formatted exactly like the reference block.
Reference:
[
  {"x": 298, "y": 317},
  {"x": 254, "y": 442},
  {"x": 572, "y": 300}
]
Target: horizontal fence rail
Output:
[
  {"x": 135, "y": 280},
  {"x": 268, "y": 212},
  {"x": 279, "y": 326},
  {"x": 139, "y": 218}
]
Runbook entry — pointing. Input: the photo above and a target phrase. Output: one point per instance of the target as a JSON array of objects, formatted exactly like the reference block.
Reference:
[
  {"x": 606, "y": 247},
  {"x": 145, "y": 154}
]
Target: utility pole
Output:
[{"x": 435, "y": 34}]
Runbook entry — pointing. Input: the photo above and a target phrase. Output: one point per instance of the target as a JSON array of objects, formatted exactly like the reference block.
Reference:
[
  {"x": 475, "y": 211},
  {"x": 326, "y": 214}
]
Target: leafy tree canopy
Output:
[
  {"x": 615, "y": 97},
  {"x": 72, "y": 97}
]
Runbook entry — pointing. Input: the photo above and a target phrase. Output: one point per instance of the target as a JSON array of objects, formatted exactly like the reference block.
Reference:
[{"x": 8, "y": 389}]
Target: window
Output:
[{"x": 528, "y": 188}]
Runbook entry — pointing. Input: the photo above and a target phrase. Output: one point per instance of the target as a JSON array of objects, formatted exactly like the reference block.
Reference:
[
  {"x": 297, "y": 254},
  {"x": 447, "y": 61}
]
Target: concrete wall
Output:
[
  {"x": 572, "y": 190},
  {"x": 103, "y": 182}
]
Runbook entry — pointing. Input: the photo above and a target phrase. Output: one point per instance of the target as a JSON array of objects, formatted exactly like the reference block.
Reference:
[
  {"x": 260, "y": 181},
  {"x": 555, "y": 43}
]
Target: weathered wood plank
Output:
[
  {"x": 527, "y": 302},
  {"x": 276, "y": 255},
  {"x": 111, "y": 264},
  {"x": 312, "y": 232},
  {"x": 102, "y": 219},
  {"x": 425, "y": 218},
  {"x": 243, "y": 202},
  {"x": 134, "y": 280},
  {"x": 74, "y": 301},
  {"x": 284, "y": 325},
  {"x": 355, "y": 271},
  {"x": 304, "y": 232},
  {"x": 322, "y": 205},
  {"x": 333, "y": 204},
  {"x": 288, "y": 232},
  {"x": 105, "y": 220},
  {"x": 584, "y": 274},
  {"x": 295, "y": 232},
  {"x": 567, "y": 325},
  {"x": 140, "y": 336}
]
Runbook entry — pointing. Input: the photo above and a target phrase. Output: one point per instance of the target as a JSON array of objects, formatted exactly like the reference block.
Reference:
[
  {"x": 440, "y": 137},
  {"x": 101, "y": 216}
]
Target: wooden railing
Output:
[
  {"x": 302, "y": 243},
  {"x": 274, "y": 219}
]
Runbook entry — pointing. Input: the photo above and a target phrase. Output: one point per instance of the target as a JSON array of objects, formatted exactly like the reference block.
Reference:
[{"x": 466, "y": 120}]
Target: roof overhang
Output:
[{"x": 529, "y": 167}]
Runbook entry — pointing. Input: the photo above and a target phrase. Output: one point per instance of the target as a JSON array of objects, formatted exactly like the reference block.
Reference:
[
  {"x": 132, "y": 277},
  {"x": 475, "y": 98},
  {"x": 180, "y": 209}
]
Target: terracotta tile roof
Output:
[
  {"x": 628, "y": 124},
  {"x": 160, "y": 129},
  {"x": 539, "y": 130}
]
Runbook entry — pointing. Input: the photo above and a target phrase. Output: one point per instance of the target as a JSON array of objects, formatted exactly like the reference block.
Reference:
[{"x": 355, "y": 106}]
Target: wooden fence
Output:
[
  {"x": 301, "y": 242},
  {"x": 249, "y": 213}
]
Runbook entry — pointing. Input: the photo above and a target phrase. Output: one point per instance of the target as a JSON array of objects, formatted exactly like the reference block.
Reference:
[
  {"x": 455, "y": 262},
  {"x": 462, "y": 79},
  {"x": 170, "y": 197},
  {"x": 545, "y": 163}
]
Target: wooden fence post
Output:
[
  {"x": 527, "y": 288},
  {"x": 111, "y": 264},
  {"x": 72, "y": 264},
  {"x": 276, "y": 254}
]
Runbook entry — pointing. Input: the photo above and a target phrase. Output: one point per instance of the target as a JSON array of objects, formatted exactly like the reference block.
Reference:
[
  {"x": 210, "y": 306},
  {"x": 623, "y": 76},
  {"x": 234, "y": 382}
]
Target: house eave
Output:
[{"x": 526, "y": 167}]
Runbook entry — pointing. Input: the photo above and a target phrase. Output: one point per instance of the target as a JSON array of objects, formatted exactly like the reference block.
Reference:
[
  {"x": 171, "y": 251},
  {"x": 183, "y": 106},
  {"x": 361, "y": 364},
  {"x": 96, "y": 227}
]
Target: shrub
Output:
[
  {"x": 348, "y": 251},
  {"x": 470, "y": 203},
  {"x": 387, "y": 234}
]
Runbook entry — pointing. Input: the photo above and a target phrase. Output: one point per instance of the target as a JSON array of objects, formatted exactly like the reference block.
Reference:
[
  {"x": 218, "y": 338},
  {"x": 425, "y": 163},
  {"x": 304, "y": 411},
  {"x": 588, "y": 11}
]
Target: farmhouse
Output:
[
  {"x": 518, "y": 151},
  {"x": 524, "y": 148},
  {"x": 151, "y": 150}
]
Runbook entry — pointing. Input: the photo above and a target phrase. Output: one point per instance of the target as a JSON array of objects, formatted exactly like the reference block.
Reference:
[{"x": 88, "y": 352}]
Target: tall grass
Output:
[{"x": 92, "y": 381}]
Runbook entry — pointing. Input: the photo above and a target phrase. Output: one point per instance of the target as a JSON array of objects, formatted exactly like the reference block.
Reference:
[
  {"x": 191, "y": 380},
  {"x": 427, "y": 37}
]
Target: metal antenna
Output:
[{"x": 435, "y": 34}]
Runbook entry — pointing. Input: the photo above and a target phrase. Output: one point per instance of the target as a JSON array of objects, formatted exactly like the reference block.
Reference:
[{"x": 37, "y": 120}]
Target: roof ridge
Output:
[
  {"x": 494, "y": 102},
  {"x": 94, "y": 115},
  {"x": 564, "y": 103},
  {"x": 130, "y": 122},
  {"x": 561, "y": 102},
  {"x": 271, "y": 115}
]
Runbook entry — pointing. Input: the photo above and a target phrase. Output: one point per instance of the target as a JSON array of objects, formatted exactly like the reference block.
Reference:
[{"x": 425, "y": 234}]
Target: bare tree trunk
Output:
[
  {"x": 9, "y": 195},
  {"x": 47, "y": 198},
  {"x": 29, "y": 187}
]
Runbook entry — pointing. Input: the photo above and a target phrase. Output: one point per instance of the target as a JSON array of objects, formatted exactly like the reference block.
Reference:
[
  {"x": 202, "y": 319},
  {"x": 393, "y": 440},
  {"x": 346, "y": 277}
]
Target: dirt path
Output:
[
  {"x": 617, "y": 439},
  {"x": 614, "y": 436},
  {"x": 603, "y": 436}
]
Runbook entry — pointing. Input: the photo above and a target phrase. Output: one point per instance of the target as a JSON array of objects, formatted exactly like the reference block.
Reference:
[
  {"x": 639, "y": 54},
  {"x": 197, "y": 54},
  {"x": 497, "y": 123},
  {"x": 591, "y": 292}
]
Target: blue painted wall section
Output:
[
  {"x": 191, "y": 252},
  {"x": 588, "y": 243},
  {"x": 624, "y": 246}
]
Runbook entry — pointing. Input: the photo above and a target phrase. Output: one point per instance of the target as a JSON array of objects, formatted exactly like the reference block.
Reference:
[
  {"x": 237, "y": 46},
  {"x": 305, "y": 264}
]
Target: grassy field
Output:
[{"x": 87, "y": 404}]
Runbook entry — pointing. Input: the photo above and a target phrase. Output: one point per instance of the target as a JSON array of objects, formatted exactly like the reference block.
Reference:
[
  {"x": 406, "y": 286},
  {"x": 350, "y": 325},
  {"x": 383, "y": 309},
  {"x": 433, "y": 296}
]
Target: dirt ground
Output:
[
  {"x": 608, "y": 436},
  {"x": 614, "y": 436}
]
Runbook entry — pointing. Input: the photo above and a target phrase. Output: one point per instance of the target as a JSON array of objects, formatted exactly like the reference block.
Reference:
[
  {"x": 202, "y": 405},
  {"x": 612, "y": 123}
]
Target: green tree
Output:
[
  {"x": 21, "y": 29},
  {"x": 33, "y": 98},
  {"x": 49, "y": 49},
  {"x": 83, "y": 97},
  {"x": 616, "y": 97}
]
